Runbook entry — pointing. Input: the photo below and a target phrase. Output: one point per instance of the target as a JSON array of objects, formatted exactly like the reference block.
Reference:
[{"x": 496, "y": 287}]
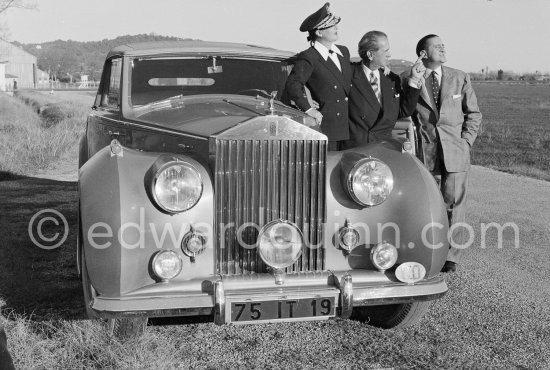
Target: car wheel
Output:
[
  {"x": 127, "y": 328},
  {"x": 392, "y": 316}
]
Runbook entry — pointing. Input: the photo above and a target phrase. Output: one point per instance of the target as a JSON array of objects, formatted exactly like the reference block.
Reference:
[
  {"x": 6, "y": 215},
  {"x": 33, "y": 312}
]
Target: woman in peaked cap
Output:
[{"x": 324, "y": 69}]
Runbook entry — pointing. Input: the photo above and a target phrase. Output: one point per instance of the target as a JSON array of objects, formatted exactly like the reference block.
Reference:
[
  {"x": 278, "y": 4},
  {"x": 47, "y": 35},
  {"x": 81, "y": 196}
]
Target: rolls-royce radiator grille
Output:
[{"x": 257, "y": 181}]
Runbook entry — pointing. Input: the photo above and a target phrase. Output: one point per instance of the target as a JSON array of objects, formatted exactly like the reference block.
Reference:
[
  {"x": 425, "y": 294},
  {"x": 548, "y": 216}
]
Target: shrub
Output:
[{"x": 27, "y": 144}]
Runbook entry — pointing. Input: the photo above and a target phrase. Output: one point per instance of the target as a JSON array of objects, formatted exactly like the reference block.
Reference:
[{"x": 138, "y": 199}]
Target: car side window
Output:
[{"x": 111, "y": 93}]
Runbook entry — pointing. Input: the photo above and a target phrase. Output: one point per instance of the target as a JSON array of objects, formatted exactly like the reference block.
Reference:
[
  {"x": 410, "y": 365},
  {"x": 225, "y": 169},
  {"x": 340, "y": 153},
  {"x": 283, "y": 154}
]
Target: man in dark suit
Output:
[
  {"x": 449, "y": 119},
  {"x": 378, "y": 99},
  {"x": 324, "y": 69}
]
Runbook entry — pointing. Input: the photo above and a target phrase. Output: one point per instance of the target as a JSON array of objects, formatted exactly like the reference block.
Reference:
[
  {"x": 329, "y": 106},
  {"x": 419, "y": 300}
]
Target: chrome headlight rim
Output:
[
  {"x": 350, "y": 181},
  {"x": 155, "y": 259},
  {"x": 265, "y": 229},
  {"x": 156, "y": 176}
]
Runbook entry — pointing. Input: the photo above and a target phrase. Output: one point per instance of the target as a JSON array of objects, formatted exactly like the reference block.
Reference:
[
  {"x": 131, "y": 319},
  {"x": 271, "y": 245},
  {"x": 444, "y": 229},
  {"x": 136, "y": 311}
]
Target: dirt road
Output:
[{"x": 496, "y": 314}]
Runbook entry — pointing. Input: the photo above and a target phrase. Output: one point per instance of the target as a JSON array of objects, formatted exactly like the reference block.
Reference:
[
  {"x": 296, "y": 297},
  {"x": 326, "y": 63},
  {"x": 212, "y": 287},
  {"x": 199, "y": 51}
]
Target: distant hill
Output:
[{"x": 73, "y": 58}]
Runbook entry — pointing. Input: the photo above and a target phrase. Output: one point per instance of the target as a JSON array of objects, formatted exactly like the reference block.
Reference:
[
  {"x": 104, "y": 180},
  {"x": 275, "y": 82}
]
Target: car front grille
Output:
[{"x": 258, "y": 181}]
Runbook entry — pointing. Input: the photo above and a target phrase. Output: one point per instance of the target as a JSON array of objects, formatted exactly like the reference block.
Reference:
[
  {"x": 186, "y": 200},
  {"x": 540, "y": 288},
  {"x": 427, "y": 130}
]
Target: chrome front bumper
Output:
[{"x": 350, "y": 289}]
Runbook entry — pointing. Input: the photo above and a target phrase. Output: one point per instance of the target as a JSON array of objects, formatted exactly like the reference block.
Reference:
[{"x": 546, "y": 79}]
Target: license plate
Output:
[{"x": 254, "y": 311}]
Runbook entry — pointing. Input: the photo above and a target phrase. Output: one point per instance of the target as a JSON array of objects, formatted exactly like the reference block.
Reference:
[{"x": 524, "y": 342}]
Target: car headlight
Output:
[
  {"x": 177, "y": 186},
  {"x": 280, "y": 243},
  {"x": 383, "y": 256},
  {"x": 370, "y": 182},
  {"x": 166, "y": 265}
]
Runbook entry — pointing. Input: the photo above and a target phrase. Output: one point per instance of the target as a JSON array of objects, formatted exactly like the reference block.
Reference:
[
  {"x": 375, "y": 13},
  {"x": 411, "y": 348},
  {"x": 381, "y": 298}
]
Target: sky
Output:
[{"x": 497, "y": 34}]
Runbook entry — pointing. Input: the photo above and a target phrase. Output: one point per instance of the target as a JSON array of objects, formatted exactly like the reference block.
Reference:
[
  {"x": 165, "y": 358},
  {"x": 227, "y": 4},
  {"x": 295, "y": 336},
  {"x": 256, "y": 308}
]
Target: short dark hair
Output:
[
  {"x": 312, "y": 36},
  {"x": 422, "y": 43},
  {"x": 369, "y": 42}
]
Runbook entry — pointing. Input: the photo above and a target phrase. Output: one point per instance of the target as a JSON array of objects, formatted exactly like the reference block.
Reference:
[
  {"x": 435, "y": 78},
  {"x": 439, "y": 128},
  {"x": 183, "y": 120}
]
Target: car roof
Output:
[{"x": 195, "y": 47}]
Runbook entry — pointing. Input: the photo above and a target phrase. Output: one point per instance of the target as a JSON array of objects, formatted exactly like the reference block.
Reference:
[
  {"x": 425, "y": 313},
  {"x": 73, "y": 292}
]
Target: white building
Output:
[{"x": 19, "y": 65}]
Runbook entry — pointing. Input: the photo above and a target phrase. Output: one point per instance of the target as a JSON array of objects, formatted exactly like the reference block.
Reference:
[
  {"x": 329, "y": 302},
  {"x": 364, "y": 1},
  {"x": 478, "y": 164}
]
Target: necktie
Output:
[
  {"x": 332, "y": 56},
  {"x": 435, "y": 88},
  {"x": 375, "y": 86}
]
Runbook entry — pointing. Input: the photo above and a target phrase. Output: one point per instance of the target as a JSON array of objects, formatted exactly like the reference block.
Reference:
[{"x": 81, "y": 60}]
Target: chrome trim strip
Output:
[
  {"x": 346, "y": 297},
  {"x": 147, "y": 127},
  {"x": 364, "y": 295},
  {"x": 219, "y": 303},
  {"x": 196, "y": 311}
]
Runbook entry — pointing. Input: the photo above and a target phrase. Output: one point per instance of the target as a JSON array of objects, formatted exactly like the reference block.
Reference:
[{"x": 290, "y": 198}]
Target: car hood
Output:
[{"x": 207, "y": 115}]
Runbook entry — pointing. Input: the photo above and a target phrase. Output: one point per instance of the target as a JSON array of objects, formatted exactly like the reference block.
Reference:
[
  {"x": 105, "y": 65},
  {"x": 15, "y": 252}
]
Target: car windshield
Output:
[{"x": 169, "y": 79}]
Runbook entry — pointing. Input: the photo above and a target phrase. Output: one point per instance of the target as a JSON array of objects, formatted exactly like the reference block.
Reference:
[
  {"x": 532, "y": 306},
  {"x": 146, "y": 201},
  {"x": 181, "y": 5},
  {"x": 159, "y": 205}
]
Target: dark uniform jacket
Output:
[
  {"x": 370, "y": 121},
  {"x": 328, "y": 86}
]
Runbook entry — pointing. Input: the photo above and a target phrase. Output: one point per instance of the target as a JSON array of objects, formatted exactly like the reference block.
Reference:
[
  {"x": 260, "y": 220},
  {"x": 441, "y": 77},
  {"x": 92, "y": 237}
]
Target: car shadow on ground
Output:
[
  {"x": 39, "y": 282},
  {"x": 36, "y": 282}
]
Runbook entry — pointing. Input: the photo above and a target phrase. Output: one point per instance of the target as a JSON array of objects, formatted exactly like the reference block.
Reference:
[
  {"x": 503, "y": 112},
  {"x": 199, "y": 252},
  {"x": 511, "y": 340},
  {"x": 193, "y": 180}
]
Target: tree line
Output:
[{"x": 67, "y": 60}]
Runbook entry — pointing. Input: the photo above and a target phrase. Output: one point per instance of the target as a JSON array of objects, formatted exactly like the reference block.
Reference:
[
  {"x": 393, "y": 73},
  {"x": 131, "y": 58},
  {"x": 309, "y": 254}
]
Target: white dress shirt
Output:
[
  {"x": 438, "y": 72},
  {"x": 325, "y": 53}
]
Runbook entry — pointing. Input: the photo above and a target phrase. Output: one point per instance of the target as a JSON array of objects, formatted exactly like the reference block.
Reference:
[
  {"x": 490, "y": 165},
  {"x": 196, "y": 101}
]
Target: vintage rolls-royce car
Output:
[{"x": 201, "y": 193}]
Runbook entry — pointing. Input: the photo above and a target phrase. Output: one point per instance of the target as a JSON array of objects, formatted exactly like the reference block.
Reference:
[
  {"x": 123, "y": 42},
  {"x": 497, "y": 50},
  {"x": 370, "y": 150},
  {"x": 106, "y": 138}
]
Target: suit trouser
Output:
[{"x": 453, "y": 186}]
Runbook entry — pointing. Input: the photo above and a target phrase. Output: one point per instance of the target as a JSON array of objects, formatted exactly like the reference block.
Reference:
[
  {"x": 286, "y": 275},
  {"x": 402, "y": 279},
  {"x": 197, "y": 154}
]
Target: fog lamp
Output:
[
  {"x": 370, "y": 182},
  {"x": 349, "y": 237},
  {"x": 280, "y": 243},
  {"x": 193, "y": 244},
  {"x": 177, "y": 186},
  {"x": 166, "y": 265},
  {"x": 383, "y": 256}
]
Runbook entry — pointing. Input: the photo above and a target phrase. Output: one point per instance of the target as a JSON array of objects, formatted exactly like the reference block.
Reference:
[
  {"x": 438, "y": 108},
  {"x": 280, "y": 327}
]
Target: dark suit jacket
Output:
[
  {"x": 370, "y": 121},
  {"x": 328, "y": 86},
  {"x": 454, "y": 126}
]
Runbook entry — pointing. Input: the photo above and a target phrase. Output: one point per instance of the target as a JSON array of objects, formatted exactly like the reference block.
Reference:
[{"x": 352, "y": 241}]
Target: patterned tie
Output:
[
  {"x": 435, "y": 88},
  {"x": 375, "y": 87}
]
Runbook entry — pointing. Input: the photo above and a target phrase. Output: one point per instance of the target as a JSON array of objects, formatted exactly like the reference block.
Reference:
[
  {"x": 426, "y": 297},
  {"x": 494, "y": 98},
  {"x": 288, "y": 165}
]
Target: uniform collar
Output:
[{"x": 324, "y": 51}]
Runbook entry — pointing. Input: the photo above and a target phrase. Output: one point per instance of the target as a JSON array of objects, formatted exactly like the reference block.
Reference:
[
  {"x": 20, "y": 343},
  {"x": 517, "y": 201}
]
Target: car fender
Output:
[
  {"x": 122, "y": 229},
  {"x": 413, "y": 218}
]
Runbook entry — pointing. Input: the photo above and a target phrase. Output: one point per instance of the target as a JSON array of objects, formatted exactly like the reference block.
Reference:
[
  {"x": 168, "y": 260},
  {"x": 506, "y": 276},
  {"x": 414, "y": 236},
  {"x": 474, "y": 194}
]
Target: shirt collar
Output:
[
  {"x": 324, "y": 51},
  {"x": 368, "y": 71}
]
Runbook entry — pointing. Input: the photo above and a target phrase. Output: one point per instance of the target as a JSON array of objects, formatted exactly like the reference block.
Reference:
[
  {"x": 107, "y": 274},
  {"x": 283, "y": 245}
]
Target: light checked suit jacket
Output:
[{"x": 455, "y": 124}]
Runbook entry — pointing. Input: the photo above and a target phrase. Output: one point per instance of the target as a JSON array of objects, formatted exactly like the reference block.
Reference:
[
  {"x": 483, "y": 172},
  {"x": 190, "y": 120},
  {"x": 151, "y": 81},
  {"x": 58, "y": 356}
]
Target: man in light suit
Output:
[
  {"x": 377, "y": 99},
  {"x": 448, "y": 119},
  {"x": 324, "y": 69}
]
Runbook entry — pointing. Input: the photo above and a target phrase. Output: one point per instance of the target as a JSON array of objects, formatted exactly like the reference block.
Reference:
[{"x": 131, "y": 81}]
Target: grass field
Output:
[
  {"x": 495, "y": 316},
  {"x": 516, "y": 129},
  {"x": 38, "y": 129}
]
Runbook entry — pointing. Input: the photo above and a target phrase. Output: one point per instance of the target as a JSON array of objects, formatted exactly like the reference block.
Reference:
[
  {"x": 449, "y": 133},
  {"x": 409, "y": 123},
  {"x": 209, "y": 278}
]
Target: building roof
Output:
[
  {"x": 15, "y": 54},
  {"x": 206, "y": 48}
]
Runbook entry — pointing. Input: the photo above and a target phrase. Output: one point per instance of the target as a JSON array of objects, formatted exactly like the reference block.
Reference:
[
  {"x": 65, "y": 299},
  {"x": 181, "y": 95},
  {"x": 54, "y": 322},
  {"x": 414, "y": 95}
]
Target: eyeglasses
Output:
[{"x": 439, "y": 46}]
